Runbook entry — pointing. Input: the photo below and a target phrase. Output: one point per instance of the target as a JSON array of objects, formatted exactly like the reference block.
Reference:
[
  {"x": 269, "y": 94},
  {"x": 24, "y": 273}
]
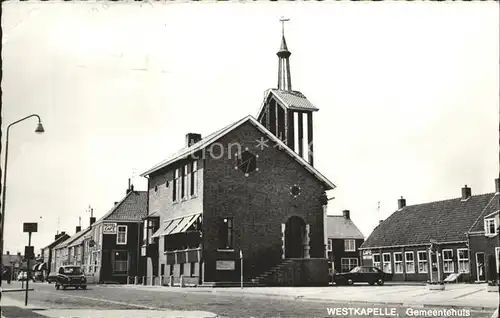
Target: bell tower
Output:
[{"x": 286, "y": 113}]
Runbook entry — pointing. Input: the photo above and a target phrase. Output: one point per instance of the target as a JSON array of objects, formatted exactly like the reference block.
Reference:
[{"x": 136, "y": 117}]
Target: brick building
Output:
[
  {"x": 344, "y": 240},
  {"x": 401, "y": 244},
  {"x": 113, "y": 243},
  {"x": 249, "y": 187}
]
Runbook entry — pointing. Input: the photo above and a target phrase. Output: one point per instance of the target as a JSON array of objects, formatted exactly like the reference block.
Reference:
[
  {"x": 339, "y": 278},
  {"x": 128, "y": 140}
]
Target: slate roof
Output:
[
  {"x": 207, "y": 141},
  {"x": 489, "y": 211},
  {"x": 60, "y": 239},
  {"x": 293, "y": 100},
  {"x": 339, "y": 227},
  {"x": 78, "y": 238},
  {"x": 133, "y": 207},
  {"x": 444, "y": 221},
  {"x": 72, "y": 239}
]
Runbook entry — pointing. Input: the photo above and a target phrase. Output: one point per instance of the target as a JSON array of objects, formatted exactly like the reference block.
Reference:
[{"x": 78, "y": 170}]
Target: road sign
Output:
[
  {"x": 29, "y": 252},
  {"x": 30, "y": 227}
]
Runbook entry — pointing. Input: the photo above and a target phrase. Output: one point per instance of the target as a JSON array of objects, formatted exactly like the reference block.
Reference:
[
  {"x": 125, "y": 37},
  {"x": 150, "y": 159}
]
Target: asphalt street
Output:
[{"x": 112, "y": 298}]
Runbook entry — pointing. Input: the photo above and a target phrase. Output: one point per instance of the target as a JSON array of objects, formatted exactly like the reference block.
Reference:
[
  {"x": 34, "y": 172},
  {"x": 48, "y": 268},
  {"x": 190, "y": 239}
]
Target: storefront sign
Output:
[
  {"x": 109, "y": 228},
  {"x": 367, "y": 254},
  {"x": 225, "y": 265}
]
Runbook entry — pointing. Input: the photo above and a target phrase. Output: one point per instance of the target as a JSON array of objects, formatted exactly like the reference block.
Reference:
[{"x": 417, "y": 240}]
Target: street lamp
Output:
[{"x": 39, "y": 129}]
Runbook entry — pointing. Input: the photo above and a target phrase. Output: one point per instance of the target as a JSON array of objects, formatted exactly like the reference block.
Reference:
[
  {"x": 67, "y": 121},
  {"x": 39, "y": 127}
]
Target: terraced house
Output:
[
  {"x": 113, "y": 244},
  {"x": 70, "y": 251},
  {"x": 464, "y": 228},
  {"x": 247, "y": 190}
]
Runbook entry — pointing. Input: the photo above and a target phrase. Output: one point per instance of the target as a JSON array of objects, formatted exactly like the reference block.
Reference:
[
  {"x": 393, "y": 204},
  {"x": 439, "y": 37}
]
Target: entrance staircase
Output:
[{"x": 277, "y": 275}]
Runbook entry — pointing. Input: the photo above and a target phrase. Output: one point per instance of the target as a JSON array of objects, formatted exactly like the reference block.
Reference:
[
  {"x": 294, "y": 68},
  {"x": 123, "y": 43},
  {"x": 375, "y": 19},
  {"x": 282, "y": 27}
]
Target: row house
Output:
[
  {"x": 344, "y": 241},
  {"x": 113, "y": 244},
  {"x": 47, "y": 265},
  {"x": 12, "y": 265},
  {"x": 464, "y": 228},
  {"x": 249, "y": 190},
  {"x": 69, "y": 251}
]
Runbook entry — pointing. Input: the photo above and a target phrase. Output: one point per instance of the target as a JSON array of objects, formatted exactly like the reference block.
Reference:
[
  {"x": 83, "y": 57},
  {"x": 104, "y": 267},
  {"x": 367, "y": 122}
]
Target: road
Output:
[{"x": 111, "y": 298}]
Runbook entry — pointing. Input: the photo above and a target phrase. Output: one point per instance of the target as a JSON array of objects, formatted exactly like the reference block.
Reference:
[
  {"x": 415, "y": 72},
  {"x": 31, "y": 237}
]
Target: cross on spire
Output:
[{"x": 283, "y": 20}]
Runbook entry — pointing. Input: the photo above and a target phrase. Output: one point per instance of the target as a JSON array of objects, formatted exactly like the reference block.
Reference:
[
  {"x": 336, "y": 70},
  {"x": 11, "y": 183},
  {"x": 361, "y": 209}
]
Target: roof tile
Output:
[
  {"x": 444, "y": 221},
  {"x": 341, "y": 228}
]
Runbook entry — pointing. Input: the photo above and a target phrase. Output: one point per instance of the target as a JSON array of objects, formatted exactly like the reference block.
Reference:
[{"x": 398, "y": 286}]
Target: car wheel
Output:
[
  {"x": 83, "y": 287},
  {"x": 371, "y": 283},
  {"x": 64, "y": 287},
  {"x": 350, "y": 282},
  {"x": 380, "y": 282},
  {"x": 57, "y": 287}
]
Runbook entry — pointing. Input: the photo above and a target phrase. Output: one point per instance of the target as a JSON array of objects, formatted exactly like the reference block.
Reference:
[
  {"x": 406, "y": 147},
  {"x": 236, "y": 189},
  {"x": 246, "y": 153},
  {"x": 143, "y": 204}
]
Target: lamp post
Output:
[{"x": 39, "y": 129}]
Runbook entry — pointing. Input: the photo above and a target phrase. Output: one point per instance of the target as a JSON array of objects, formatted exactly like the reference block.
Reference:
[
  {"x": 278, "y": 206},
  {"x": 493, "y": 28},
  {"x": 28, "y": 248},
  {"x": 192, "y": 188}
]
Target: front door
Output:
[
  {"x": 480, "y": 270},
  {"x": 294, "y": 237}
]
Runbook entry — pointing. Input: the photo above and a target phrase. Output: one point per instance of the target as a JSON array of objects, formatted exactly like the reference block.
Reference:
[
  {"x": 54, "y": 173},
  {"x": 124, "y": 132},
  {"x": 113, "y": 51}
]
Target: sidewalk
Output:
[
  {"x": 16, "y": 308},
  {"x": 472, "y": 296}
]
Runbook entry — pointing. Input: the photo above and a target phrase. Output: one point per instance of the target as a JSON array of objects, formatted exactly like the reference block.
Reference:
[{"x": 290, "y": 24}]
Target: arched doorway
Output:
[{"x": 295, "y": 231}]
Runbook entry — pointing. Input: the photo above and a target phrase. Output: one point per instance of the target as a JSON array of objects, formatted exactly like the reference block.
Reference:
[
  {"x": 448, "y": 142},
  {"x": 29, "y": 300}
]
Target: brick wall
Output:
[{"x": 259, "y": 204}]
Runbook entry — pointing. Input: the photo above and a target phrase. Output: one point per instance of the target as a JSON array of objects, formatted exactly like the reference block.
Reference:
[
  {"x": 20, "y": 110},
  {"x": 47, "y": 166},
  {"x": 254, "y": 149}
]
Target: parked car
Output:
[
  {"x": 70, "y": 276},
  {"x": 363, "y": 274}
]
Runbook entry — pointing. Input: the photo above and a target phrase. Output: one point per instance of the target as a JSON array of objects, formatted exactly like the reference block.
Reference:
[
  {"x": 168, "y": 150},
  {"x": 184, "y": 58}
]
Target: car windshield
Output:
[
  {"x": 355, "y": 269},
  {"x": 72, "y": 270}
]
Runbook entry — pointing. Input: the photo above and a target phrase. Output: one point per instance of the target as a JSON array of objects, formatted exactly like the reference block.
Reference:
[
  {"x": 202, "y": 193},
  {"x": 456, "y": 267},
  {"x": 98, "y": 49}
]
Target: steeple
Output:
[{"x": 284, "y": 77}]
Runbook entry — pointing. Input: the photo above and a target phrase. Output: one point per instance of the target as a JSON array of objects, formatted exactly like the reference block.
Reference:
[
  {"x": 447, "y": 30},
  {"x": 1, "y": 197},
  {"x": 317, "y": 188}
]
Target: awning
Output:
[{"x": 177, "y": 225}]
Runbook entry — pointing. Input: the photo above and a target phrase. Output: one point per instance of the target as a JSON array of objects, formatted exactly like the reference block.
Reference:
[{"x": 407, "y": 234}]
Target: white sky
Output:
[{"x": 408, "y": 96}]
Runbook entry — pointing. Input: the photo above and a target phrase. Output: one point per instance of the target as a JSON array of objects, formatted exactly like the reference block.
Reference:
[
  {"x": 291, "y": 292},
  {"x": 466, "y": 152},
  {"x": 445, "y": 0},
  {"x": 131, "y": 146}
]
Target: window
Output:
[
  {"x": 192, "y": 270},
  {"x": 376, "y": 260},
  {"x": 226, "y": 234},
  {"x": 497, "y": 252},
  {"x": 398, "y": 263},
  {"x": 175, "y": 185},
  {"x": 121, "y": 234},
  {"x": 145, "y": 232},
  {"x": 422, "y": 261},
  {"x": 409, "y": 262},
  {"x": 120, "y": 261},
  {"x": 348, "y": 263},
  {"x": 184, "y": 182},
  {"x": 386, "y": 263},
  {"x": 350, "y": 245},
  {"x": 194, "y": 178},
  {"x": 329, "y": 245},
  {"x": 448, "y": 261},
  {"x": 162, "y": 269},
  {"x": 490, "y": 226},
  {"x": 463, "y": 260},
  {"x": 171, "y": 270},
  {"x": 181, "y": 269}
]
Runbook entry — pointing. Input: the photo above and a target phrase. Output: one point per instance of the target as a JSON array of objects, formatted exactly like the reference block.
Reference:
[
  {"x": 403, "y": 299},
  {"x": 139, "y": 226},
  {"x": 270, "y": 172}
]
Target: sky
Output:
[{"x": 408, "y": 94}]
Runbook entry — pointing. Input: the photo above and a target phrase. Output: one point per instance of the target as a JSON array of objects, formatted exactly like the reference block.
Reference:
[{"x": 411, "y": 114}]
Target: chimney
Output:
[
  {"x": 78, "y": 229},
  {"x": 128, "y": 189},
  {"x": 347, "y": 214},
  {"x": 497, "y": 185},
  {"x": 401, "y": 203},
  {"x": 116, "y": 202},
  {"x": 92, "y": 220},
  {"x": 466, "y": 193},
  {"x": 192, "y": 138},
  {"x": 18, "y": 253}
]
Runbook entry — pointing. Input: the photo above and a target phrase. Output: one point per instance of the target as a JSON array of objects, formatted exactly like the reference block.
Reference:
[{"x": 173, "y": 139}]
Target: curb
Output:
[{"x": 237, "y": 291}]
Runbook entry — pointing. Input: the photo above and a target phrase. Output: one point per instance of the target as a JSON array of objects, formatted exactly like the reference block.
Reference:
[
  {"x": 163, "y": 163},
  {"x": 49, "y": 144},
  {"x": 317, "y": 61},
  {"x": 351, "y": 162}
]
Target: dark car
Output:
[
  {"x": 70, "y": 276},
  {"x": 362, "y": 274}
]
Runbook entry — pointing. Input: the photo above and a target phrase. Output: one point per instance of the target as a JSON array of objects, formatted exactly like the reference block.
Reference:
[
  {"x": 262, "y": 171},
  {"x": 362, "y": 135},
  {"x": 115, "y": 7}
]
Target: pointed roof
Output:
[
  {"x": 340, "y": 227},
  {"x": 293, "y": 100},
  {"x": 133, "y": 207},
  {"x": 444, "y": 221},
  {"x": 489, "y": 211},
  {"x": 60, "y": 239},
  {"x": 207, "y": 141},
  {"x": 283, "y": 52}
]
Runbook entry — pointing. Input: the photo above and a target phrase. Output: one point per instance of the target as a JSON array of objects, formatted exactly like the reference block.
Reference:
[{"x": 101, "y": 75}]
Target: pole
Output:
[
  {"x": 241, "y": 268},
  {"x": 430, "y": 262},
  {"x": 4, "y": 190},
  {"x": 28, "y": 271},
  {"x": 437, "y": 261}
]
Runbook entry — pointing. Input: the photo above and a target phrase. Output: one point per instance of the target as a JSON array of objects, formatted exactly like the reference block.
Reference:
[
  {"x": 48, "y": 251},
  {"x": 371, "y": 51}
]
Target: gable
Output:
[
  {"x": 338, "y": 227},
  {"x": 213, "y": 138},
  {"x": 133, "y": 207}
]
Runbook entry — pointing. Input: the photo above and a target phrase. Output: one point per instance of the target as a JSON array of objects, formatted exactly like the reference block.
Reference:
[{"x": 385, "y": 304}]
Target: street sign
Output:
[
  {"x": 30, "y": 227},
  {"x": 29, "y": 252}
]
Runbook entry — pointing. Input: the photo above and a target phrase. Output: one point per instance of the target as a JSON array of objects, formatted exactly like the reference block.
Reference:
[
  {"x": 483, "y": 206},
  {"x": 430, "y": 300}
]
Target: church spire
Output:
[{"x": 284, "y": 77}]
